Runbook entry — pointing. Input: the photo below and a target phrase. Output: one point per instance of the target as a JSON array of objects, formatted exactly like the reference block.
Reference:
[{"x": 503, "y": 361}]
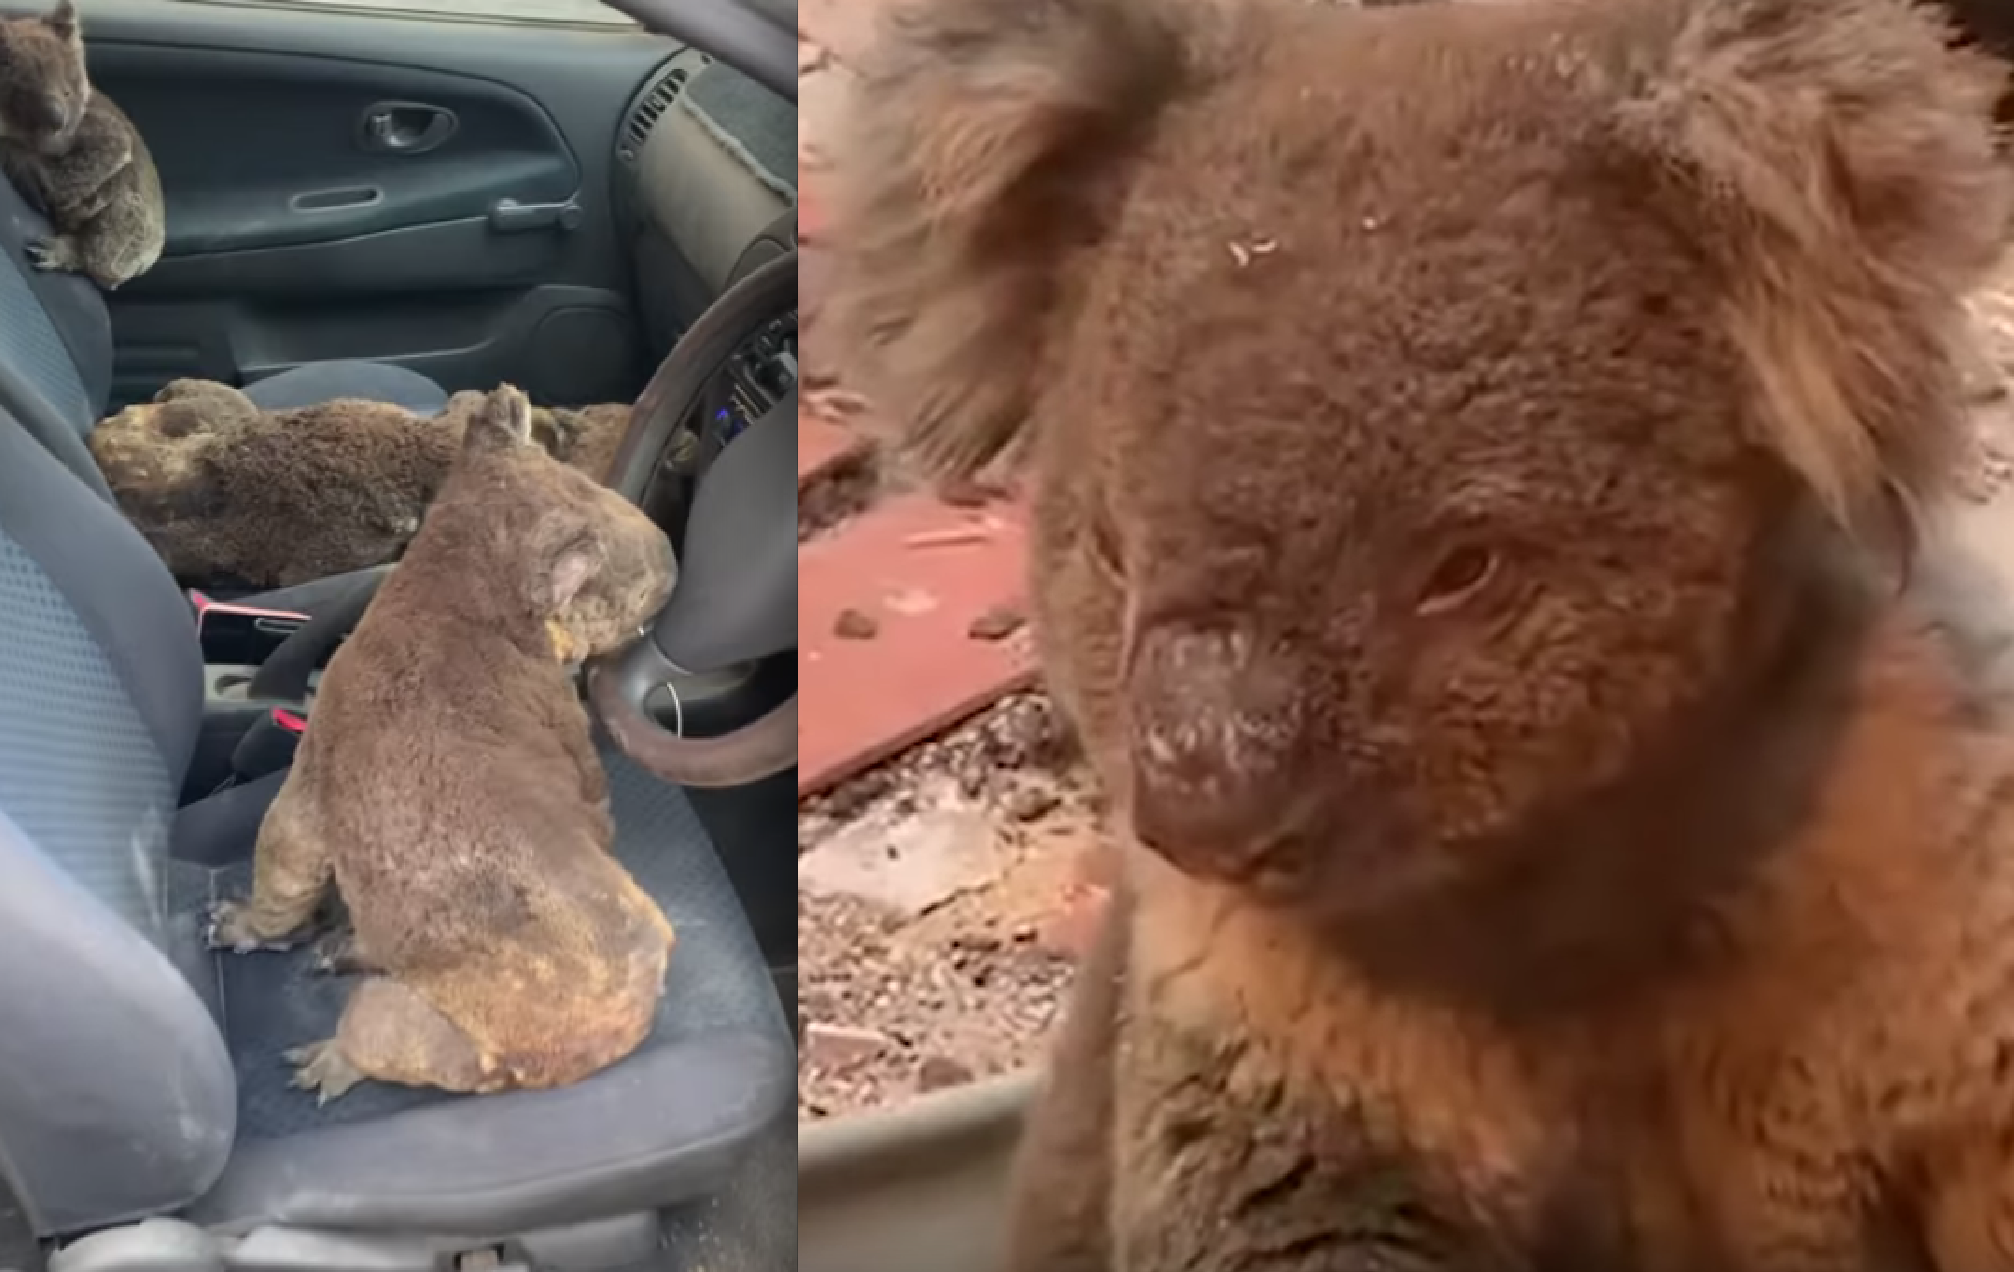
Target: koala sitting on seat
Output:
[
  {"x": 73, "y": 153},
  {"x": 229, "y": 494},
  {"x": 1495, "y": 532},
  {"x": 450, "y": 792}
]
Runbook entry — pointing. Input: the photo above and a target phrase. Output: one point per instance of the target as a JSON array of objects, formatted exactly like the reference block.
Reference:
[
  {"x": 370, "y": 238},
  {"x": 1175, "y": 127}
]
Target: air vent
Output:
[{"x": 648, "y": 110}]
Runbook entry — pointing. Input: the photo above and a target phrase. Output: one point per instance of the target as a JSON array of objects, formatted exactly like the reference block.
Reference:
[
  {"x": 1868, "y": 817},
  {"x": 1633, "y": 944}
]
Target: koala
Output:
[
  {"x": 449, "y": 792},
  {"x": 205, "y": 475},
  {"x": 73, "y": 153},
  {"x": 1494, "y": 531}
]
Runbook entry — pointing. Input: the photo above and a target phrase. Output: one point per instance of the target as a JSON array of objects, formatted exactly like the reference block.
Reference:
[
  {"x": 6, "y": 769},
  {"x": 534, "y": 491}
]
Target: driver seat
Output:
[{"x": 141, "y": 1073}]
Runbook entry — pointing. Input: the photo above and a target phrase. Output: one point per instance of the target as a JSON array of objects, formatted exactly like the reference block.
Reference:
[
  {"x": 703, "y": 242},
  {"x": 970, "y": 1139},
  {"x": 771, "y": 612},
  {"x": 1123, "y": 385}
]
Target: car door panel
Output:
[
  {"x": 298, "y": 170},
  {"x": 489, "y": 253}
]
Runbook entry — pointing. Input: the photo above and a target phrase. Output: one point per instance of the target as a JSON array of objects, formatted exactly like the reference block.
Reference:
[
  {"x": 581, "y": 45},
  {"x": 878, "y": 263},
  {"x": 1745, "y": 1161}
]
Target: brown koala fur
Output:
[
  {"x": 448, "y": 788},
  {"x": 1485, "y": 461},
  {"x": 73, "y": 153},
  {"x": 206, "y": 476}
]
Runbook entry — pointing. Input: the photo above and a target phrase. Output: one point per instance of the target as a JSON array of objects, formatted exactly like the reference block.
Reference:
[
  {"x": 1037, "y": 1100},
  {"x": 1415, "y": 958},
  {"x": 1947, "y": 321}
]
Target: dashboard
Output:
[
  {"x": 698, "y": 213},
  {"x": 697, "y": 210}
]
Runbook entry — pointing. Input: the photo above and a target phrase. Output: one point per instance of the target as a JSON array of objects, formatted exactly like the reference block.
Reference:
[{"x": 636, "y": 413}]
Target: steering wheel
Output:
[{"x": 735, "y": 600}]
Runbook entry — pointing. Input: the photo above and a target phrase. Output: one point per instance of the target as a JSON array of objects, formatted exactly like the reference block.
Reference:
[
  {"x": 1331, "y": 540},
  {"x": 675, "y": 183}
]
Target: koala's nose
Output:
[{"x": 1215, "y": 730}]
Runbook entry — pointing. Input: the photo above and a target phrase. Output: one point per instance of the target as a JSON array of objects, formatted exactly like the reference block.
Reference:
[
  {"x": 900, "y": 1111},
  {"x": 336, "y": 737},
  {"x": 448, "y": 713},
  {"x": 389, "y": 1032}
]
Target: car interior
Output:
[{"x": 378, "y": 202}]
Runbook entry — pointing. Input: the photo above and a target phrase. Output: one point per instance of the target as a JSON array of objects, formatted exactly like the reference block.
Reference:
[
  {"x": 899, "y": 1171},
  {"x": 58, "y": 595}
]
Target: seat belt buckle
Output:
[
  {"x": 269, "y": 745},
  {"x": 240, "y": 635}
]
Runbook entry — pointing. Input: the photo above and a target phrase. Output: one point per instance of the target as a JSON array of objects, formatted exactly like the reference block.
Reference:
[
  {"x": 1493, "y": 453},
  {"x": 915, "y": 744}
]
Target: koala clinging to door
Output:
[
  {"x": 73, "y": 153},
  {"x": 1492, "y": 530}
]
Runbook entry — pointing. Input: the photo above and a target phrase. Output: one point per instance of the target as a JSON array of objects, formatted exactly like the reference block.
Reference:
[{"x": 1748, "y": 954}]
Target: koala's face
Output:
[
  {"x": 1430, "y": 404},
  {"x": 43, "y": 88},
  {"x": 1416, "y": 490},
  {"x": 636, "y": 570},
  {"x": 584, "y": 561}
]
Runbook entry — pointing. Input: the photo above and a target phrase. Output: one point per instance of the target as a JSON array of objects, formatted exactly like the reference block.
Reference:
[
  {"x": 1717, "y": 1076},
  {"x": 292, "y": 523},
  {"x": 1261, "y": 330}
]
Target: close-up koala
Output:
[
  {"x": 73, "y": 153},
  {"x": 205, "y": 476},
  {"x": 451, "y": 795},
  {"x": 1494, "y": 530}
]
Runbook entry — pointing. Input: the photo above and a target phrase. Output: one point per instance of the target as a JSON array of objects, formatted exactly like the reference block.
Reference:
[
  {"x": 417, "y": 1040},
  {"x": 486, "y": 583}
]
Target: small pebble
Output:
[{"x": 851, "y": 624}]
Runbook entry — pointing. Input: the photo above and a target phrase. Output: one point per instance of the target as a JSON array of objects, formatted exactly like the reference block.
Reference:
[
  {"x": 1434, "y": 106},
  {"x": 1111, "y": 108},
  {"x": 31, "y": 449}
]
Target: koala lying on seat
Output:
[
  {"x": 450, "y": 792},
  {"x": 228, "y": 493},
  {"x": 1491, "y": 467}
]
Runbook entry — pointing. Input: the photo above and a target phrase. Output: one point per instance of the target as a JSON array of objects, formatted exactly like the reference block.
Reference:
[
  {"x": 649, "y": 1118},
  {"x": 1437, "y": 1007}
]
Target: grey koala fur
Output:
[
  {"x": 73, "y": 153},
  {"x": 450, "y": 793}
]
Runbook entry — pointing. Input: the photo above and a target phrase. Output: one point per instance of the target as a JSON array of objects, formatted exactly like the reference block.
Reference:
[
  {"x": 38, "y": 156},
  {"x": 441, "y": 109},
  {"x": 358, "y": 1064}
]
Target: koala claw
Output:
[
  {"x": 321, "y": 1067},
  {"x": 42, "y": 255},
  {"x": 230, "y": 928}
]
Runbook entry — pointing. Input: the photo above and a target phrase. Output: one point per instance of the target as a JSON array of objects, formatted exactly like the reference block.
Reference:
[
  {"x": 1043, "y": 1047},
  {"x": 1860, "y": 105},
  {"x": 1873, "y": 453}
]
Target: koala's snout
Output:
[{"x": 1214, "y": 734}]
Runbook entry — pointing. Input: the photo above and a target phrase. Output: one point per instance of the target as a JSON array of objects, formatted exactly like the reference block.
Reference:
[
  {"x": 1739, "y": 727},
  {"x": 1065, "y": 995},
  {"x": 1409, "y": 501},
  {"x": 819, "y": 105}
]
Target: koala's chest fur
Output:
[{"x": 1273, "y": 1115}]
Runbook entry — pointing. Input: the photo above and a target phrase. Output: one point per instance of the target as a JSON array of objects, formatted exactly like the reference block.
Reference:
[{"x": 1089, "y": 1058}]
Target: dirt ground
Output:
[{"x": 941, "y": 896}]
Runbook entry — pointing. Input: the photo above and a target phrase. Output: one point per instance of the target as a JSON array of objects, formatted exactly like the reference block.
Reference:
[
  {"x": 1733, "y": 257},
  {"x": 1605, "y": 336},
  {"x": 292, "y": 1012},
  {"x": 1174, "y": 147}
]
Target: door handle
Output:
[
  {"x": 405, "y": 128},
  {"x": 508, "y": 216}
]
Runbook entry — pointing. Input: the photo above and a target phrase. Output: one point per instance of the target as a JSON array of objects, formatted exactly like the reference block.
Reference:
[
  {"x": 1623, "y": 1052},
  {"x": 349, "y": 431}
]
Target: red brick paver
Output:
[{"x": 921, "y": 571}]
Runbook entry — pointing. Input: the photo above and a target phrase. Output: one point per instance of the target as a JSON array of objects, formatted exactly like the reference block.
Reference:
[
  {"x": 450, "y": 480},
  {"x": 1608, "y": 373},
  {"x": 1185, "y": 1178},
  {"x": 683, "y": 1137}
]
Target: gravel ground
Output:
[{"x": 940, "y": 897}]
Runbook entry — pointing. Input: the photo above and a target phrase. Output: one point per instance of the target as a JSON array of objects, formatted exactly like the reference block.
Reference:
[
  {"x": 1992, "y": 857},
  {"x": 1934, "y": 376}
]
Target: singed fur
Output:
[
  {"x": 1494, "y": 533},
  {"x": 448, "y": 791}
]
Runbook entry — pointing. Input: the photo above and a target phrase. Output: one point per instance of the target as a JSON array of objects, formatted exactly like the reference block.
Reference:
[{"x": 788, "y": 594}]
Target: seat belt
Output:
[{"x": 284, "y": 676}]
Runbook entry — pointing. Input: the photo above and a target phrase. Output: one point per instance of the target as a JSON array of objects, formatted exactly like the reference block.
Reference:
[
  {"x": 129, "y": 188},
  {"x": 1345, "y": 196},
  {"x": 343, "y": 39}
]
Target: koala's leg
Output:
[
  {"x": 291, "y": 875},
  {"x": 116, "y": 248},
  {"x": 1059, "y": 1210},
  {"x": 593, "y": 777},
  {"x": 391, "y": 1034},
  {"x": 59, "y": 253}
]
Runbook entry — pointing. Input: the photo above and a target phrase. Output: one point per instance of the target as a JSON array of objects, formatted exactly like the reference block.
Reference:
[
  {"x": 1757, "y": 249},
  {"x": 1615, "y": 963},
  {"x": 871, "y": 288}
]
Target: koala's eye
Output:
[{"x": 1459, "y": 575}]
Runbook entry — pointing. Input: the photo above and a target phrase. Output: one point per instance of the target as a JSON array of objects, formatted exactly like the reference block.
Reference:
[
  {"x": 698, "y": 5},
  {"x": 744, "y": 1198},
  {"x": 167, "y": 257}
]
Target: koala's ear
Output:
[
  {"x": 501, "y": 423},
  {"x": 63, "y": 19},
  {"x": 1834, "y": 161},
  {"x": 571, "y": 559},
  {"x": 982, "y": 144}
]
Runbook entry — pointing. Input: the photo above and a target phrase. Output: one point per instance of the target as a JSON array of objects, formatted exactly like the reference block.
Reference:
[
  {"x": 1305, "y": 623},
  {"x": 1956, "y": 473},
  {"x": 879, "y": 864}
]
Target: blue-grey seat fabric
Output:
[
  {"x": 142, "y": 1073},
  {"x": 116, "y": 1092},
  {"x": 56, "y": 355}
]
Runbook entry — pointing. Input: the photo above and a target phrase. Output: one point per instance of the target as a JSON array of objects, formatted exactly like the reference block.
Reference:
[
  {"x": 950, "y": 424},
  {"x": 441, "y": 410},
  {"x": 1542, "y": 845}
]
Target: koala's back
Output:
[
  {"x": 133, "y": 225},
  {"x": 451, "y": 776},
  {"x": 350, "y": 481}
]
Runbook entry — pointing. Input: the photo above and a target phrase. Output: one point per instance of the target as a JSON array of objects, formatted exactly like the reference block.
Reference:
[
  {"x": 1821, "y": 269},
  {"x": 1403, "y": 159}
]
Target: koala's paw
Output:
[
  {"x": 234, "y": 926},
  {"x": 336, "y": 954},
  {"x": 321, "y": 1068},
  {"x": 52, "y": 254}
]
